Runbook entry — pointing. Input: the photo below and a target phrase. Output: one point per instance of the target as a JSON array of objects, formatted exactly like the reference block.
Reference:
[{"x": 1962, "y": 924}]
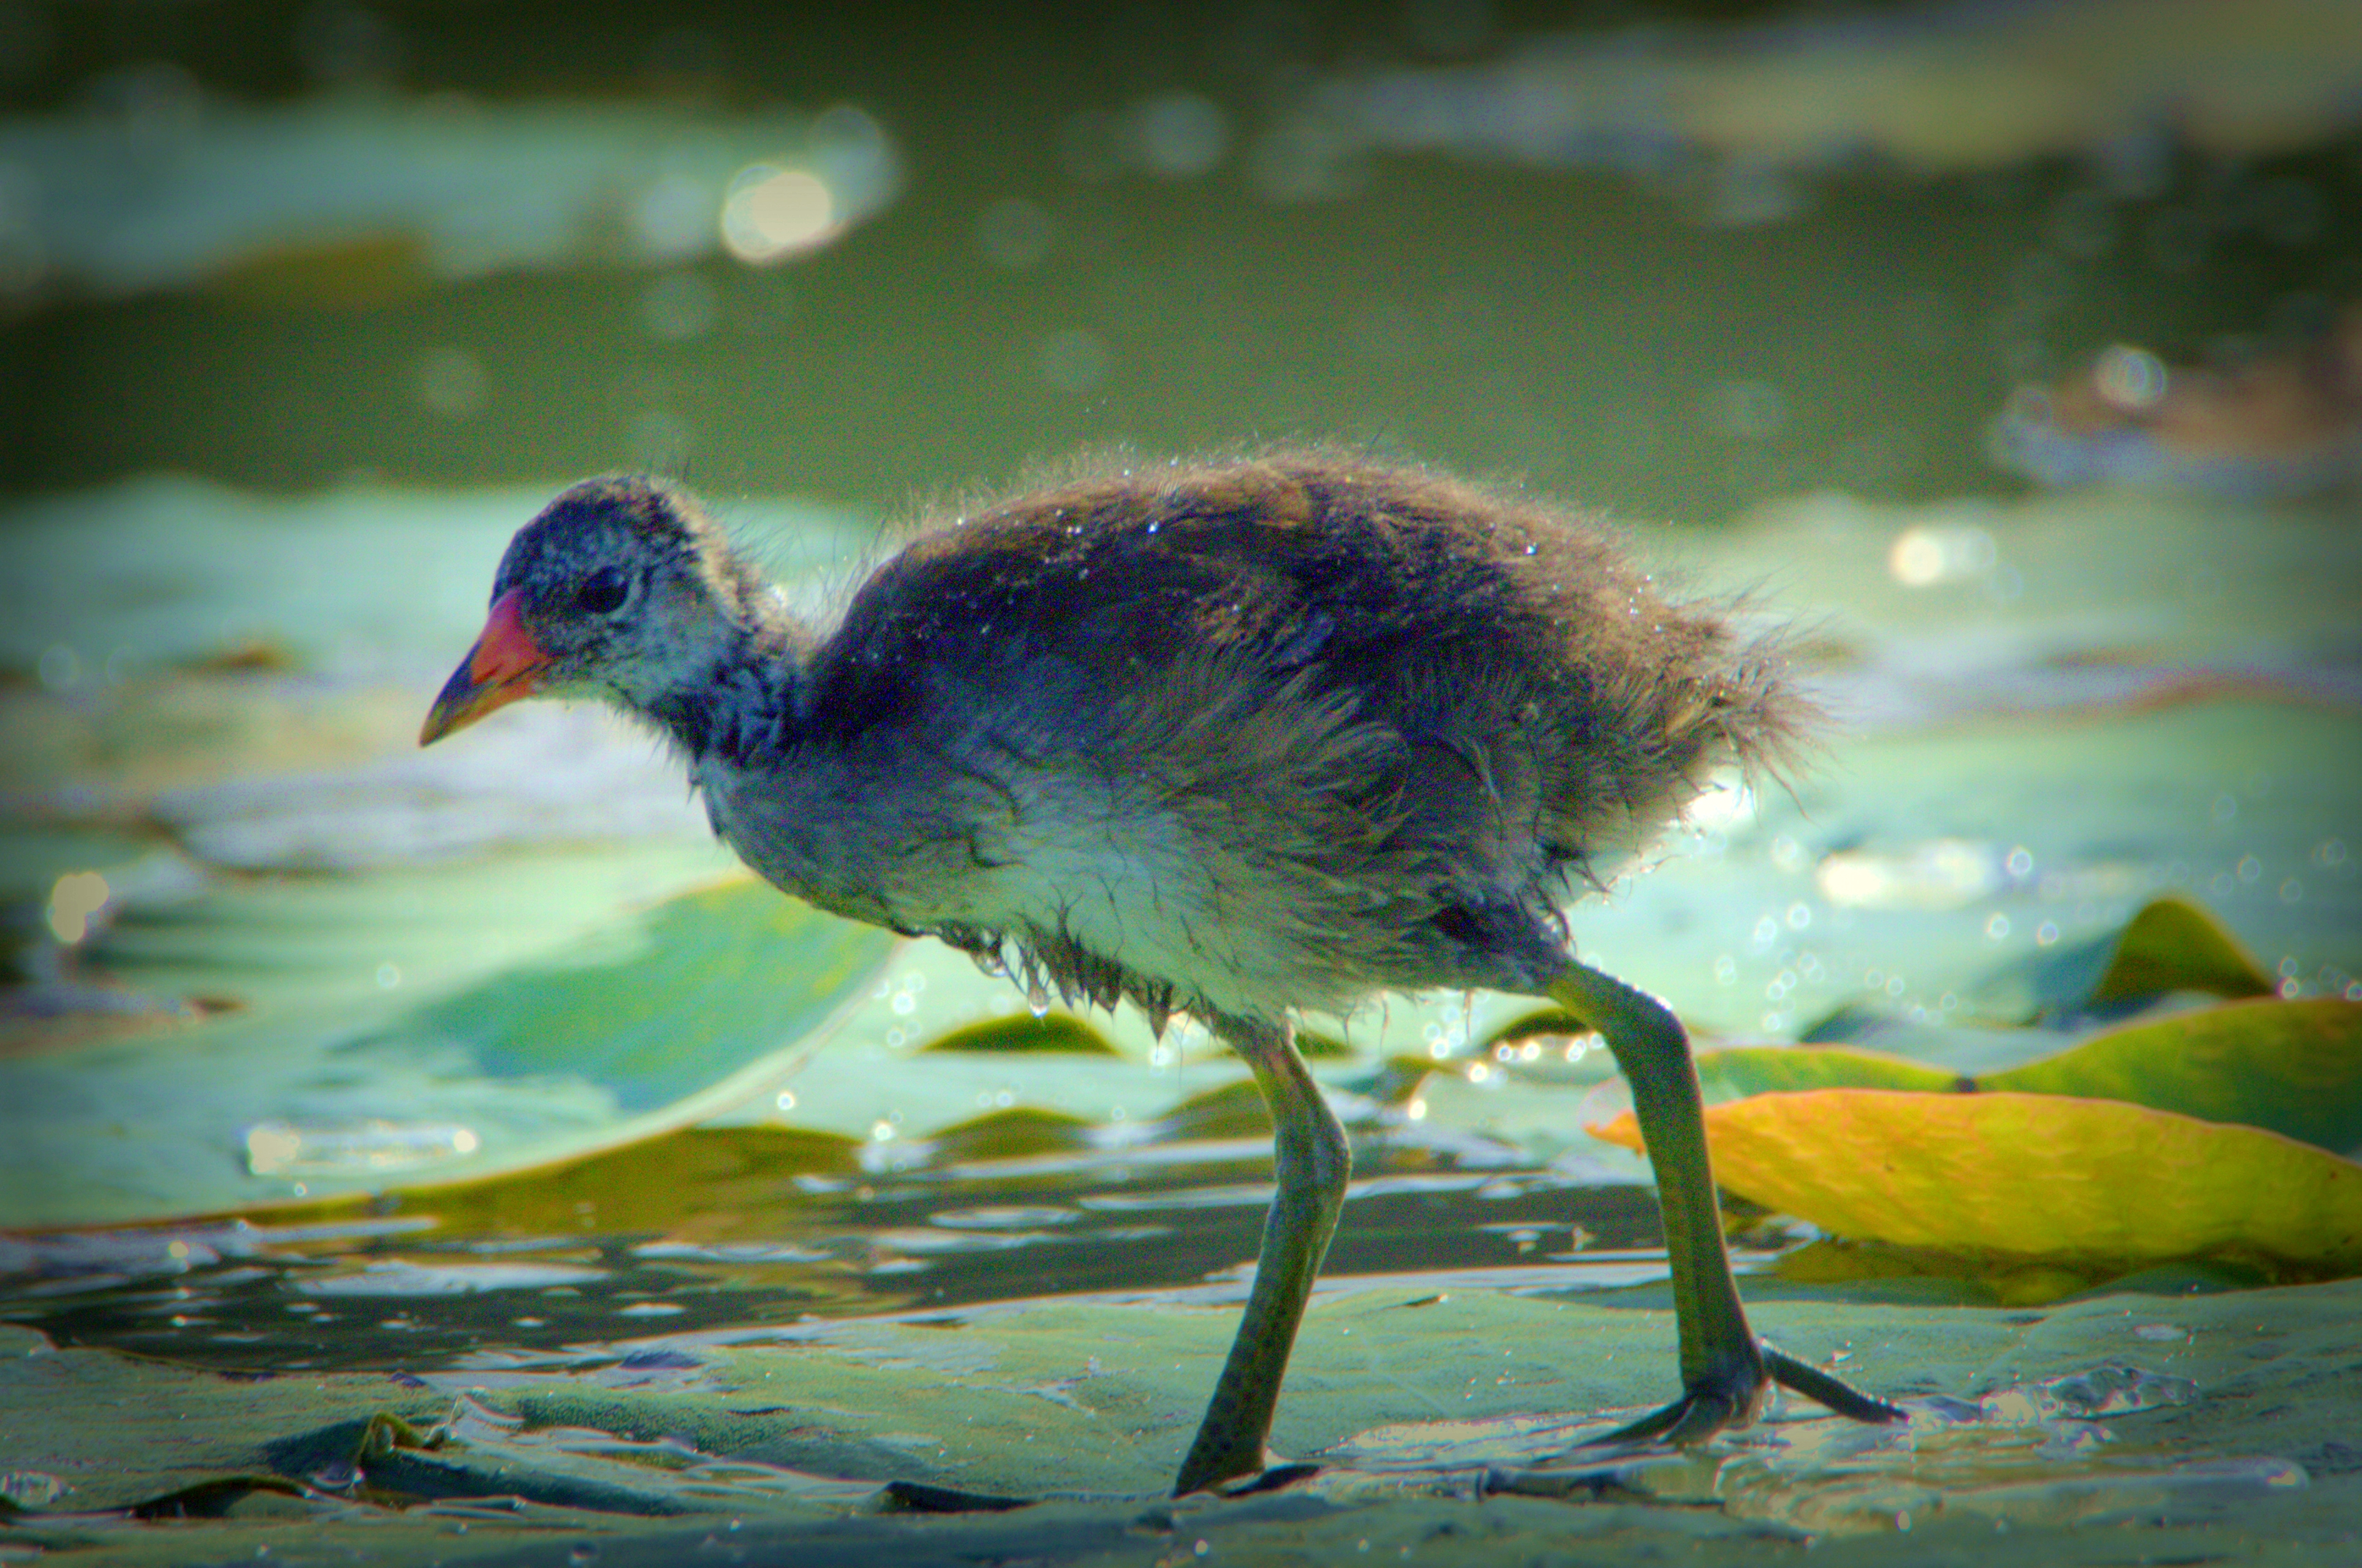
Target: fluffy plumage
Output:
[{"x": 1233, "y": 737}]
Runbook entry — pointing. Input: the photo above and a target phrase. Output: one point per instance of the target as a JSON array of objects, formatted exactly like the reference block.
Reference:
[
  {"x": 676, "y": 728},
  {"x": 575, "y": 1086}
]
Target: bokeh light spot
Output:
[
  {"x": 1923, "y": 556},
  {"x": 75, "y": 900},
  {"x": 771, "y": 213},
  {"x": 2130, "y": 378}
]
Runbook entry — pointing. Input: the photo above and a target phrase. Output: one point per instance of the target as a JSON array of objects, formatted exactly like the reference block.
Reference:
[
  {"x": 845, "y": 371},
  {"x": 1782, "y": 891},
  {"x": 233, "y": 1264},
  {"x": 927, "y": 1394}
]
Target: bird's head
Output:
[{"x": 623, "y": 588}]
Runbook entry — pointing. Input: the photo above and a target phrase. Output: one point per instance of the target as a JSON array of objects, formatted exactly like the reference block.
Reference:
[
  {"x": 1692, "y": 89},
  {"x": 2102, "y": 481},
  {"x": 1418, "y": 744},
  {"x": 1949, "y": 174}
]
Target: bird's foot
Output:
[
  {"x": 1733, "y": 1398},
  {"x": 1239, "y": 1477},
  {"x": 1734, "y": 1395},
  {"x": 1278, "y": 1473}
]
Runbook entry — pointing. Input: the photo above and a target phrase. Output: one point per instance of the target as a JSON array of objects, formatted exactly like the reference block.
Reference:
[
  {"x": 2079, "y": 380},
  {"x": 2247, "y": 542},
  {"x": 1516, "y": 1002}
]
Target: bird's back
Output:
[{"x": 1380, "y": 721}]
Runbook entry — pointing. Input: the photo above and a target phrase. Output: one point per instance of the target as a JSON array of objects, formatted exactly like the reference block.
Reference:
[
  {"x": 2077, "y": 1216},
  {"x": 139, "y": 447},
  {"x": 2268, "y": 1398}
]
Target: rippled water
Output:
[{"x": 390, "y": 1294}]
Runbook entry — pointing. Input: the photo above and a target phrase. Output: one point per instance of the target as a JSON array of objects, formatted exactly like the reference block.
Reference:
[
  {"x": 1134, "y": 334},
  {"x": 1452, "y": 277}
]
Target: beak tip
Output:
[{"x": 506, "y": 664}]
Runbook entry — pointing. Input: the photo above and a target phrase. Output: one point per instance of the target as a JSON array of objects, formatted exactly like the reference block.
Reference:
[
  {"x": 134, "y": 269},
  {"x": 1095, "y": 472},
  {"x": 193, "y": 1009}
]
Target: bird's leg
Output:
[
  {"x": 1311, "y": 1161},
  {"x": 1726, "y": 1372}
]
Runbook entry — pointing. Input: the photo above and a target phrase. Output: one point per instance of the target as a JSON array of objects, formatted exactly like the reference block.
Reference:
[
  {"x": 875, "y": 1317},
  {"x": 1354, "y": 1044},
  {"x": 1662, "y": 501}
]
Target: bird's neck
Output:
[{"x": 732, "y": 695}]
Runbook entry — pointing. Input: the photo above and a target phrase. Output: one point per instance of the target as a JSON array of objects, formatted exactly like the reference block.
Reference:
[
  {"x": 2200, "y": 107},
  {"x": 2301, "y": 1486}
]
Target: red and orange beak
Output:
[{"x": 505, "y": 664}]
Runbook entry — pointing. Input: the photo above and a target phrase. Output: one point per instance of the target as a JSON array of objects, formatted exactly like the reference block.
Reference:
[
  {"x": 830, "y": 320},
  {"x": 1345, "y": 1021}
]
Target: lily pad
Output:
[
  {"x": 2036, "y": 1175},
  {"x": 2294, "y": 1067},
  {"x": 2170, "y": 944},
  {"x": 1743, "y": 1070},
  {"x": 2174, "y": 945},
  {"x": 654, "y": 1017}
]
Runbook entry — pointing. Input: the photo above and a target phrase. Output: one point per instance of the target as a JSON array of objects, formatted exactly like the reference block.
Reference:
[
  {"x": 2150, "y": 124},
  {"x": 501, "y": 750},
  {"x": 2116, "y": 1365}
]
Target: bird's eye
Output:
[{"x": 603, "y": 591}]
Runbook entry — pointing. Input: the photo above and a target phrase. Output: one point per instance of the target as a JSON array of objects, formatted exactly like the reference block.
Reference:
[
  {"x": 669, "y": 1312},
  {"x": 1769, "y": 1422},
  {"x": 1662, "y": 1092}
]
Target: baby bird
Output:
[{"x": 1240, "y": 738}]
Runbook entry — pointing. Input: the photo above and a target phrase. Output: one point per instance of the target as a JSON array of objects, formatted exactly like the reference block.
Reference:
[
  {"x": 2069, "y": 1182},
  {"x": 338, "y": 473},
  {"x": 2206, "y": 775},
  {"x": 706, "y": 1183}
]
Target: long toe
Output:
[{"x": 1835, "y": 1392}]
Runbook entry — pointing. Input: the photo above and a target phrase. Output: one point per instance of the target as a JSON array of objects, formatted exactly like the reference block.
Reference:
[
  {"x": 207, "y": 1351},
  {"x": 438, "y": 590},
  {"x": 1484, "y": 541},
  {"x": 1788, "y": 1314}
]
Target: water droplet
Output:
[{"x": 1037, "y": 1000}]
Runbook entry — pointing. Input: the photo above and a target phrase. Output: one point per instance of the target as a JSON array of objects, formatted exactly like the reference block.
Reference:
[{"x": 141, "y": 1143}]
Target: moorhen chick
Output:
[{"x": 1239, "y": 737}]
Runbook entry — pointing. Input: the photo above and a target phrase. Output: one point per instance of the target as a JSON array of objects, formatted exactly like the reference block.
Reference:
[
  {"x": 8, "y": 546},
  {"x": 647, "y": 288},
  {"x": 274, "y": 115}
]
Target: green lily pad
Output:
[
  {"x": 2293, "y": 1067},
  {"x": 655, "y": 1016},
  {"x": 2173, "y": 945},
  {"x": 1743, "y": 1070},
  {"x": 2170, "y": 944}
]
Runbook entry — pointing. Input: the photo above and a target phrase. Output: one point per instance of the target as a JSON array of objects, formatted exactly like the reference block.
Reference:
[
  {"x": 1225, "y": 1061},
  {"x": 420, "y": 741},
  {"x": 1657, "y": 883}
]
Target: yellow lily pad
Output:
[{"x": 2036, "y": 1175}]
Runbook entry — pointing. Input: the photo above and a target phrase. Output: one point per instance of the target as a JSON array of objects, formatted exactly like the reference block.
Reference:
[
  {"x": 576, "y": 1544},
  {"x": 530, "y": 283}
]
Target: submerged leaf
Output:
[
  {"x": 1012, "y": 1133},
  {"x": 2293, "y": 1067},
  {"x": 1023, "y": 1033},
  {"x": 1543, "y": 1021},
  {"x": 1234, "y": 1110},
  {"x": 719, "y": 1182},
  {"x": 1313, "y": 1045},
  {"x": 2035, "y": 1176}
]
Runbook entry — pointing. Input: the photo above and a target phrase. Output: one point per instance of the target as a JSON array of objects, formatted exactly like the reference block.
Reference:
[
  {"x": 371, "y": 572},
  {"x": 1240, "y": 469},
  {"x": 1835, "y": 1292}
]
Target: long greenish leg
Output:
[
  {"x": 1653, "y": 1050},
  {"x": 1726, "y": 1371},
  {"x": 1311, "y": 1162}
]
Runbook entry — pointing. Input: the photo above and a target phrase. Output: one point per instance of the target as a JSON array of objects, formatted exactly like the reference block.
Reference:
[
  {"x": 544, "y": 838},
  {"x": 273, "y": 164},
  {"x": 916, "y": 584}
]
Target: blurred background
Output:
[
  {"x": 1672, "y": 259},
  {"x": 2012, "y": 347}
]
